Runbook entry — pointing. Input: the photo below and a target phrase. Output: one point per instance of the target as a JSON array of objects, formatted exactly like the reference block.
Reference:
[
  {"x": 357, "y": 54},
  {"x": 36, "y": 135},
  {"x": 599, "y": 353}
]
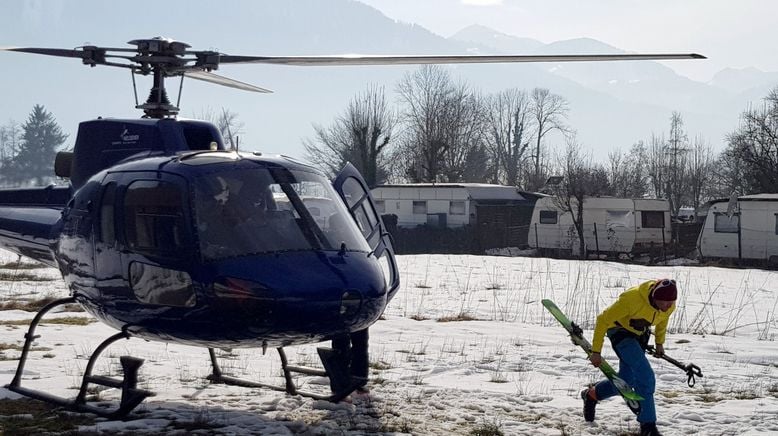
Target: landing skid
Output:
[
  {"x": 335, "y": 368},
  {"x": 131, "y": 395}
]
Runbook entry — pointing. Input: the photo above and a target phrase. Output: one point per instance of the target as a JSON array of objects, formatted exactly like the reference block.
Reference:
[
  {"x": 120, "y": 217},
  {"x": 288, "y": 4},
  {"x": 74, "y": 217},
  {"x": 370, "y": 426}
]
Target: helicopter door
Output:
[
  {"x": 108, "y": 264},
  {"x": 355, "y": 193}
]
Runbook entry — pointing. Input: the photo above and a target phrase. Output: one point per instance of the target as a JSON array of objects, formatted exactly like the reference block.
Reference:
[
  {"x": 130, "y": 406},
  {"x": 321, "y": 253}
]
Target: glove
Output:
[{"x": 596, "y": 359}]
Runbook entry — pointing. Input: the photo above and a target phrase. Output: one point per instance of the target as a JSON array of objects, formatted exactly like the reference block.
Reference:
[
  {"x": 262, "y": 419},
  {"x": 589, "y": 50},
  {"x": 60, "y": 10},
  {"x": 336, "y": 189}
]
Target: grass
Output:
[
  {"x": 487, "y": 429},
  {"x": 26, "y": 305},
  {"x": 202, "y": 421},
  {"x": 458, "y": 317},
  {"x": 30, "y": 417},
  {"x": 18, "y": 347},
  {"x": 379, "y": 365},
  {"x": 20, "y": 265},
  {"x": 36, "y": 305},
  {"x": 23, "y": 276},
  {"x": 66, "y": 320}
]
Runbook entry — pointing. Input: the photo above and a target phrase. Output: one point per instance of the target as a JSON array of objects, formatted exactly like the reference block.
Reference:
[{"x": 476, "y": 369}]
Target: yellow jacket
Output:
[{"x": 633, "y": 312}]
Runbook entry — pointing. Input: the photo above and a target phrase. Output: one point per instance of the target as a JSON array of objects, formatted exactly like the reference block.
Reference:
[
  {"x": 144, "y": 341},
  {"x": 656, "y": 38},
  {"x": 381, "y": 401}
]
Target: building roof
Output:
[
  {"x": 476, "y": 191},
  {"x": 752, "y": 197}
]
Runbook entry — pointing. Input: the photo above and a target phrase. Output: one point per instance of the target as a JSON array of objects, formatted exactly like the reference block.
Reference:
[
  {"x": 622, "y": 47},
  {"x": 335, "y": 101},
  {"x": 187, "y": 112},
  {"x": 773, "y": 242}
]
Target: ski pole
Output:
[{"x": 691, "y": 369}]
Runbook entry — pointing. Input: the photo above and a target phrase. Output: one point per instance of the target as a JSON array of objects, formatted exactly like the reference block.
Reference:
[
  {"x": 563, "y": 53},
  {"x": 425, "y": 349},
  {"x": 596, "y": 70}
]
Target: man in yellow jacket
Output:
[{"x": 627, "y": 324}]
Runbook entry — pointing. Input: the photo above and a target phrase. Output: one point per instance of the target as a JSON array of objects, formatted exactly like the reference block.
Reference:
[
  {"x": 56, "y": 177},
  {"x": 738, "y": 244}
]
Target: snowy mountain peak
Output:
[
  {"x": 494, "y": 39},
  {"x": 742, "y": 79}
]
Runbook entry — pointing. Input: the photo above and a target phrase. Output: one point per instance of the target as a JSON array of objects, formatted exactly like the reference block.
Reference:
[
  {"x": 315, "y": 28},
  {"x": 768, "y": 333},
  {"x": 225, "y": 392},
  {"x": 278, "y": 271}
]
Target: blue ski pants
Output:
[{"x": 635, "y": 370}]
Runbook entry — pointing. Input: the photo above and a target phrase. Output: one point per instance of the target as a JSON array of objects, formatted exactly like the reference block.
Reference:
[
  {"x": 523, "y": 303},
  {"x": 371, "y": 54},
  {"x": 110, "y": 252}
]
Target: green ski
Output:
[{"x": 576, "y": 334}]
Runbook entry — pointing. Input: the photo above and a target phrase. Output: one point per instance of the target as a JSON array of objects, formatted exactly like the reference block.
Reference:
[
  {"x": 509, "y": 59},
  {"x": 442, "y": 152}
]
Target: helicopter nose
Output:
[{"x": 350, "y": 304}]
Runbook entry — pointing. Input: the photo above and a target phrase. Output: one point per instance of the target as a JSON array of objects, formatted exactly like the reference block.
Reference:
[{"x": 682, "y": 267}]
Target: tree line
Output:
[
  {"x": 443, "y": 130},
  {"x": 27, "y": 150}
]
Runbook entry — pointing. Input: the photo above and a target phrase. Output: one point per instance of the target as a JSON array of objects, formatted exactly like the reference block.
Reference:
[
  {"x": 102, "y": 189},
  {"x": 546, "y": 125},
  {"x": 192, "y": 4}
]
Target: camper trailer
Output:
[
  {"x": 611, "y": 225},
  {"x": 743, "y": 228},
  {"x": 444, "y": 204}
]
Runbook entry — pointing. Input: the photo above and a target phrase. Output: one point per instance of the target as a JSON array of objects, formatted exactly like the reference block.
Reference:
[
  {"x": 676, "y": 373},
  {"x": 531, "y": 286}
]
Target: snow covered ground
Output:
[{"x": 465, "y": 348}]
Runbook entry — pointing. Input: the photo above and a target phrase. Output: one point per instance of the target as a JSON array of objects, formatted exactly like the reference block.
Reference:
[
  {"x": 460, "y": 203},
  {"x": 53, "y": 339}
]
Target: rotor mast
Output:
[{"x": 161, "y": 57}]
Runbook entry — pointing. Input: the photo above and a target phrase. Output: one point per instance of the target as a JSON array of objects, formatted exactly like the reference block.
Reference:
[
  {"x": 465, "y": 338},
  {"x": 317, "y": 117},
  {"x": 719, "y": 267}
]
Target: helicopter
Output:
[{"x": 165, "y": 234}]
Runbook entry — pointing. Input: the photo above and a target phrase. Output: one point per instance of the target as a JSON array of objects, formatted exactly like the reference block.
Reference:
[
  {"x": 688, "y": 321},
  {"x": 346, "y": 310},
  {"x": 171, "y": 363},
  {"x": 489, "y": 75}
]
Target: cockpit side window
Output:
[
  {"x": 107, "y": 208},
  {"x": 241, "y": 212},
  {"x": 154, "y": 218},
  {"x": 364, "y": 214}
]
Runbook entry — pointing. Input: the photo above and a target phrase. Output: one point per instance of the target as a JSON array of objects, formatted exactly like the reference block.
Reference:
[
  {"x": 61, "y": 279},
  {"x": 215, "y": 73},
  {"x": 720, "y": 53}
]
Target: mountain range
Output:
[
  {"x": 644, "y": 93},
  {"x": 611, "y": 104}
]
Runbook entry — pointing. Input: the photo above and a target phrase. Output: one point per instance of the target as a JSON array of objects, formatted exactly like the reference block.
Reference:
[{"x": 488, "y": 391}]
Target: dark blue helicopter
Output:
[{"x": 165, "y": 235}]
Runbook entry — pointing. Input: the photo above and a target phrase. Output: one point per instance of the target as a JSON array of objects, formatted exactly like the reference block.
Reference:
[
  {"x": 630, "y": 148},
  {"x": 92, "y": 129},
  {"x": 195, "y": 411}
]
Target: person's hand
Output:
[
  {"x": 659, "y": 350},
  {"x": 596, "y": 359}
]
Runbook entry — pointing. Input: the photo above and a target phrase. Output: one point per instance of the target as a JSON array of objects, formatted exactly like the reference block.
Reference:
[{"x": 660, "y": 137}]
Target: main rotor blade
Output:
[
  {"x": 355, "y": 59},
  {"x": 50, "y": 51},
  {"x": 224, "y": 81}
]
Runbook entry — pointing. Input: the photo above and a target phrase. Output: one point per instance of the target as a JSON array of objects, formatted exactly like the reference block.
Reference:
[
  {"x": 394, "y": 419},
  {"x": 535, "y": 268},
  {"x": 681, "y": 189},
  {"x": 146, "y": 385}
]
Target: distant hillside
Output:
[
  {"x": 648, "y": 90},
  {"x": 612, "y": 104}
]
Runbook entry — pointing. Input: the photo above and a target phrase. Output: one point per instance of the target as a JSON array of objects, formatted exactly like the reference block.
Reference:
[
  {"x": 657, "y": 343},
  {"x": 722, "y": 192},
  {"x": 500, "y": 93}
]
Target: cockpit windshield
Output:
[{"x": 241, "y": 212}]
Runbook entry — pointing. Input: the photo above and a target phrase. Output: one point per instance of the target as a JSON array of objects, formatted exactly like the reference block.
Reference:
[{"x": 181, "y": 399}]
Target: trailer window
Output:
[
  {"x": 617, "y": 218},
  {"x": 548, "y": 217},
  {"x": 653, "y": 219},
  {"x": 724, "y": 223},
  {"x": 419, "y": 207},
  {"x": 776, "y": 224},
  {"x": 456, "y": 208}
]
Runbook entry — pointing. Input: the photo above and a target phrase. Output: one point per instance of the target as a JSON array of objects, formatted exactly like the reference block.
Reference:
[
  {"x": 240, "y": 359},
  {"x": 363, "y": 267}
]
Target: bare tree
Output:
[
  {"x": 618, "y": 172},
  {"x": 10, "y": 141},
  {"x": 627, "y": 172},
  {"x": 677, "y": 149},
  {"x": 581, "y": 179},
  {"x": 728, "y": 175},
  {"x": 424, "y": 93},
  {"x": 228, "y": 124},
  {"x": 549, "y": 112},
  {"x": 463, "y": 131},
  {"x": 755, "y": 146},
  {"x": 657, "y": 165},
  {"x": 699, "y": 172},
  {"x": 361, "y": 136},
  {"x": 443, "y": 126},
  {"x": 508, "y": 135}
]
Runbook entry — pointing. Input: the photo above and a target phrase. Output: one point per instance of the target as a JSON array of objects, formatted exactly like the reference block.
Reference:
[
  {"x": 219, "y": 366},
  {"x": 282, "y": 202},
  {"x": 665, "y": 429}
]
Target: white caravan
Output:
[
  {"x": 611, "y": 225},
  {"x": 741, "y": 228},
  {"x": 442, "y": 204}
]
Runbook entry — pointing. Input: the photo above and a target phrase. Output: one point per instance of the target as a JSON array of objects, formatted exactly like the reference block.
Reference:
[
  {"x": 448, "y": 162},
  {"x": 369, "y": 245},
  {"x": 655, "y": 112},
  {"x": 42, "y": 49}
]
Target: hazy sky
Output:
[{"x": 731, "y": 33}]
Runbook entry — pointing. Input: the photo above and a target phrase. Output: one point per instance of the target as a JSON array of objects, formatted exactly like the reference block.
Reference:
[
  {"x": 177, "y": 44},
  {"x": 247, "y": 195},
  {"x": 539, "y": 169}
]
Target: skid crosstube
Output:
[
  {"x": 131, "y": 395},
  {"x": 335, "y": 368}
]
